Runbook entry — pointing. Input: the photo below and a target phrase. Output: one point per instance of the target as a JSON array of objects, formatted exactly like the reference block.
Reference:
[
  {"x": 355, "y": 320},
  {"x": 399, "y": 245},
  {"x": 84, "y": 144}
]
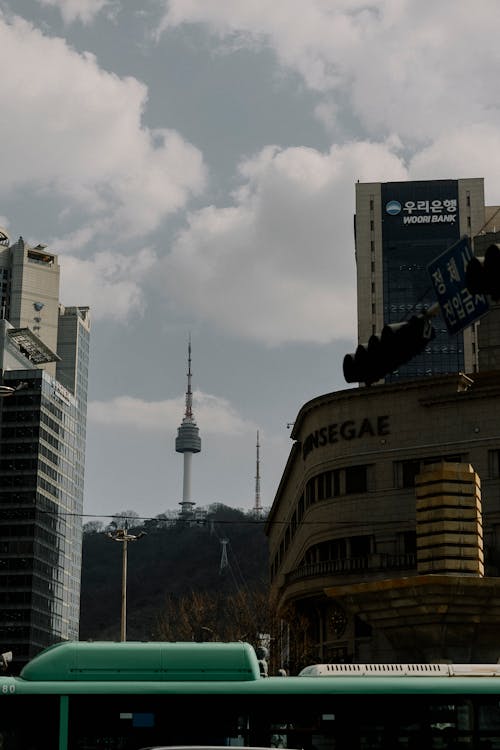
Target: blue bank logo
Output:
[{"x": 393, "y": 208}]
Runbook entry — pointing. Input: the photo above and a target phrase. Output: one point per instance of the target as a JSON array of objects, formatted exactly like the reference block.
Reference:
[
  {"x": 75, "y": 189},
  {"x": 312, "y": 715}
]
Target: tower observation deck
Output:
[{"x": 188, "y": 441}]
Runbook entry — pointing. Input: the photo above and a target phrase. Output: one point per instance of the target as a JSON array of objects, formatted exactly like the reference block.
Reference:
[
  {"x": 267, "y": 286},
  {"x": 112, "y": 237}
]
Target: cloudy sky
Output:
[{"x": 192, "y": 163}]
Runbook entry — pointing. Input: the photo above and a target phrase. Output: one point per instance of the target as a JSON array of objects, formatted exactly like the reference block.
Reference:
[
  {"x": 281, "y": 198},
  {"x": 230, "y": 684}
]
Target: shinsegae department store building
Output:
[{"x": 384, "y": 534}]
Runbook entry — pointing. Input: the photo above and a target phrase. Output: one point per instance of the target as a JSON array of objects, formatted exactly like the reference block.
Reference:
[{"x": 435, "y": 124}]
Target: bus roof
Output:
[
  {"x": 101, "y": 667},
  {"x": 148, "y": 661},
  {"x": 392, "y": 670}
]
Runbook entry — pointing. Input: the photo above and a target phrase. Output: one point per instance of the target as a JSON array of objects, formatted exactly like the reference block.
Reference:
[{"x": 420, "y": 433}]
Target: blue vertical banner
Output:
[{"x": 447, "y": 272}]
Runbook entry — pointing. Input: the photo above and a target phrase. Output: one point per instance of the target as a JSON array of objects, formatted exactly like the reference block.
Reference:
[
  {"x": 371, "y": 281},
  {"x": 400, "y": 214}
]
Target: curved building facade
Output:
[{"x": 384, "y": 534}]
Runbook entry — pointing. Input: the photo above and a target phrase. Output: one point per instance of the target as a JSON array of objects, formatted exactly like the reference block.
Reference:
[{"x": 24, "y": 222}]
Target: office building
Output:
[
  {"x": 44, "y": 356},
  {"x": 400, "y": 227}
]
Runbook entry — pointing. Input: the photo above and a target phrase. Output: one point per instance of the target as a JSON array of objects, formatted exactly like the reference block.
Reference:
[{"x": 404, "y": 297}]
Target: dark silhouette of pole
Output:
[{"x": 122, "y": 535}]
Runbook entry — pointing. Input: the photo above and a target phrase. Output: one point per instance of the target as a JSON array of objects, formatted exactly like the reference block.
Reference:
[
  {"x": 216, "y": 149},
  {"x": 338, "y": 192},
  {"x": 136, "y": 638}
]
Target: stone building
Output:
[{"x": 384, "y": 534}]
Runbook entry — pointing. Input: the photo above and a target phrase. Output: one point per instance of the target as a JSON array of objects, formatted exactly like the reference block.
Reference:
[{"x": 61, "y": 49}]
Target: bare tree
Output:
[
  {"x": 301, "y": 645},
  {"x": 222, "y": 616},
  {"x": 128, "y": 517},
  {"x": 93, "y": 527}
]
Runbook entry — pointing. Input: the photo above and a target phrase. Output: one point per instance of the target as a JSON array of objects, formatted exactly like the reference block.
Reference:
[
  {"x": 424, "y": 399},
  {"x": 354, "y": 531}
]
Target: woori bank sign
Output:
[
  {"x": 432, "y": 203},
  {"x": 424, "y": 212}
]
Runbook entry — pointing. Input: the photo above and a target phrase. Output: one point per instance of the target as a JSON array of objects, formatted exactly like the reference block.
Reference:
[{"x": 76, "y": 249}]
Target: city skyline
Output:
[{"x": 193, "y": 166}]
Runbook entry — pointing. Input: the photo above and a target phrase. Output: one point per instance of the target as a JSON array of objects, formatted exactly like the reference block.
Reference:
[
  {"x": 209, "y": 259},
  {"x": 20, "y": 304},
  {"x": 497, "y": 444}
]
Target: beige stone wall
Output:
[
  {"x": 368, "y": 252},
  {"x": 449, "y": 520},
  {"x": 35, "y": 279},
  {"x": 424, "y": 419}
]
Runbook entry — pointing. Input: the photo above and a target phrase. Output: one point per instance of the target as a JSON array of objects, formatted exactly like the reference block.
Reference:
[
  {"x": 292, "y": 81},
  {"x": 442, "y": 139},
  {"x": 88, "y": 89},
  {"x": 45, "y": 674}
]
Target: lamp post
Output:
[{"x": 122, "y": 535}]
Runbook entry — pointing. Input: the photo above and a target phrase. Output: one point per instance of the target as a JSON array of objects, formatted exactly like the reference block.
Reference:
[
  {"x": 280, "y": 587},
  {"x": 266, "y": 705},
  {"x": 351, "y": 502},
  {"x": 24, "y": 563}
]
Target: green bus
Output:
[{"x": 131, "y": 695}]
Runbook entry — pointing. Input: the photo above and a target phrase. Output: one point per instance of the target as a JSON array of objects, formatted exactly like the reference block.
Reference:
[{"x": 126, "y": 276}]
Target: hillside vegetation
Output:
[{"x": 178, "y": 585}]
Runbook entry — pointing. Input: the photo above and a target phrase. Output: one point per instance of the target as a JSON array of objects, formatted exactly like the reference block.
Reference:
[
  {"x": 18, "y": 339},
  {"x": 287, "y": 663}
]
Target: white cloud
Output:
[
  {"x": 462, "y": 153},
  {"x": 278, "y": 264},
  {"x": 392, "y": 64},
  {"x": 79, "y": 10},
  {"x": 216, "y": 414},
  {"x": 109, "y": 283},
  {"x": 75, "y": 132}
]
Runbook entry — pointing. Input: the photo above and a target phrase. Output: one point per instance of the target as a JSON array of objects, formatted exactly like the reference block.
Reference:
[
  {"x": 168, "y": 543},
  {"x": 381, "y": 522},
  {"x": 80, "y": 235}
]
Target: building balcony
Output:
[{"x": 373, "y": 564}]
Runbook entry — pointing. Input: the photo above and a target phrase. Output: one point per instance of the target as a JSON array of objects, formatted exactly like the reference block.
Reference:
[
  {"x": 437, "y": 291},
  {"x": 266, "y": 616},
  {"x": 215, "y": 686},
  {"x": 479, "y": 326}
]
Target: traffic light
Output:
[
  {"x": 484, "y": 277},
  {"x": 396, "y": 345}
]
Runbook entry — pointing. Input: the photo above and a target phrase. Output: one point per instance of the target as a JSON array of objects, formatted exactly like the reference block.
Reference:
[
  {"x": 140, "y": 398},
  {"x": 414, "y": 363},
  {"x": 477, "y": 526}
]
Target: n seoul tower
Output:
[{"x": 188, "y": 441}]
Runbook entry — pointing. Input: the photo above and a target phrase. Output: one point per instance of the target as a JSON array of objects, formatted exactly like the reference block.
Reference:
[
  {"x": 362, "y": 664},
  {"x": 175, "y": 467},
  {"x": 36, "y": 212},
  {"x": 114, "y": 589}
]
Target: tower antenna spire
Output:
[
  {"x": 189, "y": 393},
  {"x": 188, "y": 441},
  {"x": 258, "y": 506}
]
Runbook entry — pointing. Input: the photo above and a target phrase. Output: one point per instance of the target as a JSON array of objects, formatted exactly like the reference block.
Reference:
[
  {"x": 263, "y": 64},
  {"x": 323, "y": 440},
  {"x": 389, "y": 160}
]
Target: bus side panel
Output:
[
  {"x": 29, "y": 722},
  {"x": 63, "y": 722}
]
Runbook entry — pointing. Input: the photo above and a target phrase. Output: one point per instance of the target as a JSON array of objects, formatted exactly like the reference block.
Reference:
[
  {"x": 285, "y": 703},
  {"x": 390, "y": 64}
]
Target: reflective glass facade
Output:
[
  {"x": 73, "y": 346},
  {"x": 44, "y": 347},
  {"x": 425, "y": 226},
  {"x": 400, "y": 227},
  {"x": 40, "y": 514}
]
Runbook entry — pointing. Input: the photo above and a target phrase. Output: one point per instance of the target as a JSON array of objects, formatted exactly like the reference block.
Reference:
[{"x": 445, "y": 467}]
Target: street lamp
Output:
[{"x": 122, "y": 535}]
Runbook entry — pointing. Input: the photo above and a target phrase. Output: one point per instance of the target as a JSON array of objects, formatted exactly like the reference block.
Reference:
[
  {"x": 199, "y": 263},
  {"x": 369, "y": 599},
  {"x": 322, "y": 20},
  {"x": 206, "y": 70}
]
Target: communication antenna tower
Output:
[
  {"x": 224, "y": 562},
  {"x": 188, "y": 441},
  {"x": 258, "y": 506}
]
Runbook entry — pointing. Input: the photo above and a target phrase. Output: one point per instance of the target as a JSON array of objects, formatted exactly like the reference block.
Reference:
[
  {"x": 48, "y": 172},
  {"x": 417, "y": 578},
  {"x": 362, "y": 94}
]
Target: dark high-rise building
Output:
[
  {"x": 44, "y": 356},
  {"x": 400, "y": 227}
]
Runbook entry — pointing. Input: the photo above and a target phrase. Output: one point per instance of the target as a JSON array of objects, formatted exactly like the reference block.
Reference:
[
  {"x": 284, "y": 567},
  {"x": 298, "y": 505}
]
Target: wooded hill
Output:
[{"x": 179, "y": 586}]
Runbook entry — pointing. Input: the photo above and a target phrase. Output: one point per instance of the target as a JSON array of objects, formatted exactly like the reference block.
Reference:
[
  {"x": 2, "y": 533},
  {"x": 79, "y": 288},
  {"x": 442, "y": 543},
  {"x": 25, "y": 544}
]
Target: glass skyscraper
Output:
[{"x": 44, "y": 357}]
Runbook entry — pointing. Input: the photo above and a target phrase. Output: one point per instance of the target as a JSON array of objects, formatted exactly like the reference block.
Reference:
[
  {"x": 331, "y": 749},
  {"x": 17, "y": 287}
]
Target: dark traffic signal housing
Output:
[
  {"x": 483, "y": 277},
  {"x": 396, "y": 345}
]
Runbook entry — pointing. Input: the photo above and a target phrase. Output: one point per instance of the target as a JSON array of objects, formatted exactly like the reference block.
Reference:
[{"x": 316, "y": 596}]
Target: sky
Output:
[{"x": 193, "y": 165}]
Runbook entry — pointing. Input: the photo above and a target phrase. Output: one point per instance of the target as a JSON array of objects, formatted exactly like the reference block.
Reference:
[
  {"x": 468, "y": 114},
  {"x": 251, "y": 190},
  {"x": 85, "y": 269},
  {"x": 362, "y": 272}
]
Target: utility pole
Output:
[{"x": 122, "y": 535}]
